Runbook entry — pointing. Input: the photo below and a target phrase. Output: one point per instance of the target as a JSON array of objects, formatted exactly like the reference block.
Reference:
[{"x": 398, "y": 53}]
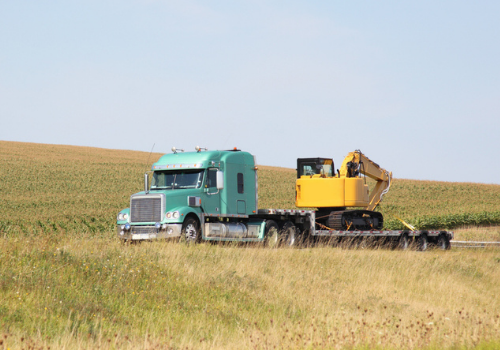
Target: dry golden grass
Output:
[{"x": 78, "y": 293}]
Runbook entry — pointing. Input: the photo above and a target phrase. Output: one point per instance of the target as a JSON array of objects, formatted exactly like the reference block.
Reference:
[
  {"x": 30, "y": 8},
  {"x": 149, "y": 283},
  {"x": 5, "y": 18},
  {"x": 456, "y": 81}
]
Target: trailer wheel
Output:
[
  {"x": 443, "y": 242},
  {"x": 191, "y": 230},
  {"x": 289, "y": 234},
  {"x": 404, "y": 242},
  {"x": 271, "y": 235},
  {"x": 423, "y": 242}
]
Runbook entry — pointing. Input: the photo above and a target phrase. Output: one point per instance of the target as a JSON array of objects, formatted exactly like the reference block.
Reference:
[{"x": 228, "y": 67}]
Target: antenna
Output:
[{"x": 150, "y": 155}]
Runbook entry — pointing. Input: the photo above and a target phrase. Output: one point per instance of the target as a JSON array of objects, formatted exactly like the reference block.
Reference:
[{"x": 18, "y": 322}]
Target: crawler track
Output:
[{"x": 355, "y": 219}]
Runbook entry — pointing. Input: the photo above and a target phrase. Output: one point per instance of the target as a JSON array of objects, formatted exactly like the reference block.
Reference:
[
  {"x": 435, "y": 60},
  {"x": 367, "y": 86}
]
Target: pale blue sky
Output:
[{"x": 414, "y": 84}]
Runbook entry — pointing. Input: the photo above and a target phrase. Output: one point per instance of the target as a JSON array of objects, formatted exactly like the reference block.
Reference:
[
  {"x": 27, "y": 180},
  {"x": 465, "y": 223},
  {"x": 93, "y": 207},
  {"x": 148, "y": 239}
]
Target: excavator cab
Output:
[{"x": 315, "y": 166}]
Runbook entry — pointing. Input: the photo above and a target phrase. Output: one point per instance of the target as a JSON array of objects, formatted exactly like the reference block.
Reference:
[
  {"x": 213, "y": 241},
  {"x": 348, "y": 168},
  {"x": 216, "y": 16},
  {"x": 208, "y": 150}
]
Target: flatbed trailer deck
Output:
[{"x": 403, "y": 238}]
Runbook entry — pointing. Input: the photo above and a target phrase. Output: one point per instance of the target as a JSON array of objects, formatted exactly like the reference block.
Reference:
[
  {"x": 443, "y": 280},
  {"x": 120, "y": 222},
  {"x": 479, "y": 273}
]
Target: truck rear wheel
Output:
[
  {"x": 271, "y": 235},
  {"x": 289, "y": 234}
]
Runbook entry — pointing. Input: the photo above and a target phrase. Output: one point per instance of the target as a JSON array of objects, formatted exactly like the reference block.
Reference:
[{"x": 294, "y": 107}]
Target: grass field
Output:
[
  {"x": 66, "y": 281},
  {"x": 82, "y": 293}
]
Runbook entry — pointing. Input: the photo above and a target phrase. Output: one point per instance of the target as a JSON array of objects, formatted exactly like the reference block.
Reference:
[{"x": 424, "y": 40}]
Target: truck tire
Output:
[
  {"x": 272, "y": 234},
  {"x": 404, "y": 242},
  {"x": 191, "y": 231},
  {"x": 443, "y": 242},
  {"x": 289, "y": 234},
  {"x": 422, "y": 243}
]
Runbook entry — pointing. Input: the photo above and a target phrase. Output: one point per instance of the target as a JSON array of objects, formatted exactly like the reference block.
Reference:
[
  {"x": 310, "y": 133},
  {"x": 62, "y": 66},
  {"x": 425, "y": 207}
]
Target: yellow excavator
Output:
[{"x": 318, "y": 186}]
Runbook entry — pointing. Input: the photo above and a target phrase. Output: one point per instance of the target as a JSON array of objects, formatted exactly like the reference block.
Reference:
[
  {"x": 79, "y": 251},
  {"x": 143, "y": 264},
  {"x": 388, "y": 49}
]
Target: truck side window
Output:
[
  {"x": 241, "y": 188},
  {"x": 212, "y": 178}
]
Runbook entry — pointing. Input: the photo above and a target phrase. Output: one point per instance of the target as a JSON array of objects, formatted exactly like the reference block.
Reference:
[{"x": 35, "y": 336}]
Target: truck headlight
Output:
[
  {"x": 122, "y": 217},
  {"x": 174, "y": 215},
  {"x": 119, "y": 217}
]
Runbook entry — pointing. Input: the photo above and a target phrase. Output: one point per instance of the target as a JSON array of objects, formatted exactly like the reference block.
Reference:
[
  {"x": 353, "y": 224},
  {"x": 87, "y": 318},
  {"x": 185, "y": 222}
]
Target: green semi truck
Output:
[
  {"x": 212, "y": 196},
  {"x": 205, "y": 195}
]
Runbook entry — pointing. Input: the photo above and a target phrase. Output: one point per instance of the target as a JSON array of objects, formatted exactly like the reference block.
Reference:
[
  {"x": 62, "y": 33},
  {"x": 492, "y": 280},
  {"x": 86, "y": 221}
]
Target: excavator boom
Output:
[{"x": 356, "y": 163}]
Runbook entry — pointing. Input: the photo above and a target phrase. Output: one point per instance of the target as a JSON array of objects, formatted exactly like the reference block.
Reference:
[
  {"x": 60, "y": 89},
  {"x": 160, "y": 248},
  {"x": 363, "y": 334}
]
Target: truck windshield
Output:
[{"x": 175, "y": 179}]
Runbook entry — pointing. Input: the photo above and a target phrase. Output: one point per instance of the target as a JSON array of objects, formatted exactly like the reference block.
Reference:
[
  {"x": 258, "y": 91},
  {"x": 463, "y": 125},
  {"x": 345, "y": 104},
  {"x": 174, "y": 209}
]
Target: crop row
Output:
[
  {"x": 449, "y": 221},
  {"x": 74, "y": 225},
  {"x": 106, "y": 225}
]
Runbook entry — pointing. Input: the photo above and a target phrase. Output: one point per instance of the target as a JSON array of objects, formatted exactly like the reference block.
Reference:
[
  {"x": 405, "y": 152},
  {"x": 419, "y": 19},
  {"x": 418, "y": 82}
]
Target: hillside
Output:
[
  {"x": 52, "y": 188},
  {"x": 66, "y": 281}
]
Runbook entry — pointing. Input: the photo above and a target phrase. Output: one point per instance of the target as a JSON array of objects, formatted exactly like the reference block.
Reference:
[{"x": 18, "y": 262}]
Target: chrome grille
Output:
[
  {"x": 146, "y": 209},
  {"x": 142, "y": 229}
]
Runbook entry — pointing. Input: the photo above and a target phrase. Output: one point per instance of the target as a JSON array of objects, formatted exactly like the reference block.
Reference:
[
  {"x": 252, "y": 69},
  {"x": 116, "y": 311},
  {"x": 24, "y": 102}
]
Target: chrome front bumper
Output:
[{"x": 137, "y": 233}]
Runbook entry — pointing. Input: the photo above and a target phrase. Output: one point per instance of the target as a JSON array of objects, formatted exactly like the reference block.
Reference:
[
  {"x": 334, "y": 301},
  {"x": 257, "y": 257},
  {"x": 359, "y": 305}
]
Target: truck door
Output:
[{"x": 211, "y": 203}]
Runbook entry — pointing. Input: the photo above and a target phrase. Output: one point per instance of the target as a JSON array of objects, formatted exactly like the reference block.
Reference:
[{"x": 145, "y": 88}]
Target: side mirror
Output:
[{"x": 220, "y": 180}]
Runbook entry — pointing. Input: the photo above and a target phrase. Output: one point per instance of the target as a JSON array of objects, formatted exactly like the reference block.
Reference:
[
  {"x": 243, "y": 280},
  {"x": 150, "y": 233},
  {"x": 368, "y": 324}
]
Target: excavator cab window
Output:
[{"x": 313, "y": 166}]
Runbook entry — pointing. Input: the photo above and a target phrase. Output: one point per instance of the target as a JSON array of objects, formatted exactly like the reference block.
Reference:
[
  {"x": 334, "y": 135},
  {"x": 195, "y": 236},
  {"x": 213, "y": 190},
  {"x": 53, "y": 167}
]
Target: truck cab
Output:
[{"x": 186, "y": 190}]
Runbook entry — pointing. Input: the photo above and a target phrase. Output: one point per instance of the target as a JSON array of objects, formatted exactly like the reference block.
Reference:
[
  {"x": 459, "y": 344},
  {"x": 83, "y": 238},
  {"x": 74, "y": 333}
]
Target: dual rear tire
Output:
[{"x": 275, "y": 236}]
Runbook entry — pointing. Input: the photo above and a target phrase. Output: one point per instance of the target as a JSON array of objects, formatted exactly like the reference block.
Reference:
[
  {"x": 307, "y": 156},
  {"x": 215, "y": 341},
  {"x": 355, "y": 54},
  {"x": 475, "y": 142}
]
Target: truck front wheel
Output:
[{"x": 191, "y": 230}]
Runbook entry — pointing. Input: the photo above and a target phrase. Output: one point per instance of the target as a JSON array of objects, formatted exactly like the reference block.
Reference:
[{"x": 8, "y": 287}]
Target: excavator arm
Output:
[{"x": 356, "y": 163}]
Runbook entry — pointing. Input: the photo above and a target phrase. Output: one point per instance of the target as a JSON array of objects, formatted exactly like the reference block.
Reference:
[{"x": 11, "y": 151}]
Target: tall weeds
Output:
[{"x": 89, "y": 292}]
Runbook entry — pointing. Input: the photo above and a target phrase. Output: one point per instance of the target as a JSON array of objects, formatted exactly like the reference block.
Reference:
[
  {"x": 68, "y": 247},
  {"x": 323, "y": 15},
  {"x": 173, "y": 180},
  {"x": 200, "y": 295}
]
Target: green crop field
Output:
[
  {"x": 65, "y": 189},
  {"x": 66, "y": 282}
]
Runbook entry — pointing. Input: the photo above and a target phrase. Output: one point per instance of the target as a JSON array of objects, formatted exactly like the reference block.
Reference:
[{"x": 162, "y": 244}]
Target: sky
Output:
[{"x": 415, "y": 85}]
